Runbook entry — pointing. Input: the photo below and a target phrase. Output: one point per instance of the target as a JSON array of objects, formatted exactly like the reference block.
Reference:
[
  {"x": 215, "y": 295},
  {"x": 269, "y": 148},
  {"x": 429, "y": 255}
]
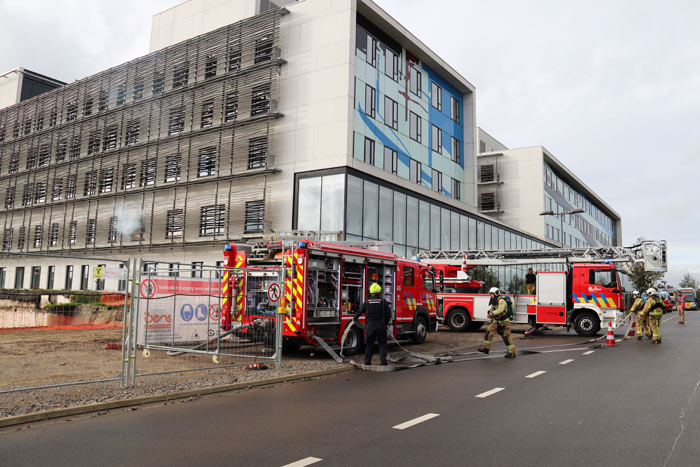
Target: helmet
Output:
[
  {"x": 652, "y": 291},
  {"x": 375, "y": 288},
  {"x": 635, "y": 293},
  {"x": 495, "y": 291}
]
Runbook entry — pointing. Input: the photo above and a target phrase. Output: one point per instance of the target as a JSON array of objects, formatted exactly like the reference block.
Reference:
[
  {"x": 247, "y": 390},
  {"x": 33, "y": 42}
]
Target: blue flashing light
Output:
[
  {"x": 228, "y": 248},
  {"x": 302, "y": 244},
  {"x": 607, "y": 261}
]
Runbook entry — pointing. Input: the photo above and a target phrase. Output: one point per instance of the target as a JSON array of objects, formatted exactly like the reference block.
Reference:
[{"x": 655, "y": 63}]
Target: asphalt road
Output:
[{"x": 636, "y": 404}]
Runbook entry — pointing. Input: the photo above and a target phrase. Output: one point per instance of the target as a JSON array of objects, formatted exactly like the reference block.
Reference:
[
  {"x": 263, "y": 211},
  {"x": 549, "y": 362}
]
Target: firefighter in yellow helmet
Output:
[
  {"x": 378, "y": 317},
  {"x": 642, "y": 319},
  {"x": 500, "y": 323},
  {"x": 654, "y": 307}
]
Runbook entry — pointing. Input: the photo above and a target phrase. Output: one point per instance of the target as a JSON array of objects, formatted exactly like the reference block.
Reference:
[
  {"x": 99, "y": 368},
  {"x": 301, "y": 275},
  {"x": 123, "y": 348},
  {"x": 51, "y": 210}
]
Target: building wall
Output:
[
  {"x": 488, "y": 143},
  {"x": 526, "y": 184},
  {"x": 164, "y": 153},
  {"x": 409, "y": 121},
  {"x": 10, "y": 89}
]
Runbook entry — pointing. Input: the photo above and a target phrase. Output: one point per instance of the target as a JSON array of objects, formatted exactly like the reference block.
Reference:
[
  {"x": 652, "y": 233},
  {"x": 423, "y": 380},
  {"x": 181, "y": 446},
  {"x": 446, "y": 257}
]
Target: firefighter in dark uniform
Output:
[{"x": 378, "y": 317}]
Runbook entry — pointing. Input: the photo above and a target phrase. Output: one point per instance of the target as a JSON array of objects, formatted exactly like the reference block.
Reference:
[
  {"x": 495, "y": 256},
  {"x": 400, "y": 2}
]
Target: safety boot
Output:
[
  {"x": 639, "y": 337},
  {"x": 483, "y": 350},
  {"x": 509, "y": 355}
]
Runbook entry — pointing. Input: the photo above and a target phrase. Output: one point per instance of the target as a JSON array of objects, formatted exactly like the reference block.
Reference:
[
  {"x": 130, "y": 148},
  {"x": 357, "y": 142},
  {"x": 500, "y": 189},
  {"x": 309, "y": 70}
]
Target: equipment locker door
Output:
[{"x": 551, "y": 297}]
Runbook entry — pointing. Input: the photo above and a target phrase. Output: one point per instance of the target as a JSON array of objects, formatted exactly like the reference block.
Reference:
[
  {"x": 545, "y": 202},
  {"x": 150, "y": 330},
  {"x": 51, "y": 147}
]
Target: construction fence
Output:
[{"x": 121, "y": 320}]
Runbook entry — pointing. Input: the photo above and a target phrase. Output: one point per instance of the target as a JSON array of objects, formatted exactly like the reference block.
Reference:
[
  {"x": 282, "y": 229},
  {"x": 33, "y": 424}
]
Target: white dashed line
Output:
[
  {"x": 304, "y": 462},
  {"x": 415, "y": 421},
  {"x": 489, "y": 393},
  {"x": 536, "y": 374},
  {"x": 566, "y": 362},
  {"x": 589, "y": 352}
]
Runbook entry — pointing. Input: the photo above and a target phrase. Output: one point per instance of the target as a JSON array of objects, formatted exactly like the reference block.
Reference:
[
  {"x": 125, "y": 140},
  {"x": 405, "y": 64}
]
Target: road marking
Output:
[
  {"x": 304, "y": 462},
  {"x": 415, "y": 421},
  {"x": 536, "y": 374},
  {"x": 566, "y": 362},
  {"x": 489, "y": 393},
  {"x": 618, "y": 340},
  {"x": 589, "y": 352}
]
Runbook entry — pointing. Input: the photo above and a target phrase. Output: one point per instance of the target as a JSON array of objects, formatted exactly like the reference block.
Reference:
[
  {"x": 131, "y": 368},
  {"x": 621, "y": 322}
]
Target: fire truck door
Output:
[{"x": 551, "y": 297}]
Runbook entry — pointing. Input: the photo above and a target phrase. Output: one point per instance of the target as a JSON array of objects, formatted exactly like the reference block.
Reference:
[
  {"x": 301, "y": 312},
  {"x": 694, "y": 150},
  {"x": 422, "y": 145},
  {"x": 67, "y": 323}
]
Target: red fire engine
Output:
[
  {"x": 323, "y": 285},
  {"x": 585, "y": 293}
]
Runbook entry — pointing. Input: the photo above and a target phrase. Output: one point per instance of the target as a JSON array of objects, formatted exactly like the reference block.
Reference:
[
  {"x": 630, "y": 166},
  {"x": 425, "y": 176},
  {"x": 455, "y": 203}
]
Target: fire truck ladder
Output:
[{"x": 652, "y": 253}]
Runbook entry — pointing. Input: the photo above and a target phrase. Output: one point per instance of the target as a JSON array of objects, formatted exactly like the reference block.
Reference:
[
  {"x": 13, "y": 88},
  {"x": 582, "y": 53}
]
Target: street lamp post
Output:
[{"x": 561, "y": 215}]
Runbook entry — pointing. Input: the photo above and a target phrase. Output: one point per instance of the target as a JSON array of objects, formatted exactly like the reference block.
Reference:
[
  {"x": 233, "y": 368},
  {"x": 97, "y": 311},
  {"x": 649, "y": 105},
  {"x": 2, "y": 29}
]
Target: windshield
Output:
[{"x": 689, "y": 295}]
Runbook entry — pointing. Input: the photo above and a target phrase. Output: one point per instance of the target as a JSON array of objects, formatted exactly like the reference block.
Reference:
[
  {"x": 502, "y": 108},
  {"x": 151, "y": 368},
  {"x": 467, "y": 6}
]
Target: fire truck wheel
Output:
[
  {"x": 458, "y": 319},
  {"x": 353, "y": 342},
  {"x": 586, "y": 324},
  {"x": 421, "y": 330}
]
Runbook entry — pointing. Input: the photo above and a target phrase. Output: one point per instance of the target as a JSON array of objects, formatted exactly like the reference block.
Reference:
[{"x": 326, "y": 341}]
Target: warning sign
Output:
[
  {"x": 97, "y": 272},
  {"x": 273, "y": 292}
]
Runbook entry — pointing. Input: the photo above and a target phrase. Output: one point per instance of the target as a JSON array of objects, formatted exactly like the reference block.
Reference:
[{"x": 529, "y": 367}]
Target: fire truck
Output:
[
  {"x": 323, "y": 284},
  {"x": 585, "y": 293}
]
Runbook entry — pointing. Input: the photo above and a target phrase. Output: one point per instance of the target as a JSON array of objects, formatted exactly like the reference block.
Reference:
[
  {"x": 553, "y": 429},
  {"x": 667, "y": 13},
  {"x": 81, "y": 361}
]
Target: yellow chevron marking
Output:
[{"x": 611, "y": 302}]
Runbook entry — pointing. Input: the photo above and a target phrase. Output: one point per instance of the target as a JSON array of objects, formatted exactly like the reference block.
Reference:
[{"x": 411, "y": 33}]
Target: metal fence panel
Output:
[{"x": 184, "y": 315}]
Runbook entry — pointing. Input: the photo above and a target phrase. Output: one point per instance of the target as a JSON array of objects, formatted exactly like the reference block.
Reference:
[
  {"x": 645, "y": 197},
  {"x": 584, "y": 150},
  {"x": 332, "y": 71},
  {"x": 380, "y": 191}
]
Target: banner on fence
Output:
[{"x": 174, "y": 311}]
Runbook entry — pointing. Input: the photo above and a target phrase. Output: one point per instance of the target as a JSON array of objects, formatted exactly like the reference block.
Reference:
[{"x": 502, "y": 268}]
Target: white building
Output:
[
  {"x": 243, "y": 119},
  {"x": 516, "y": 186}
]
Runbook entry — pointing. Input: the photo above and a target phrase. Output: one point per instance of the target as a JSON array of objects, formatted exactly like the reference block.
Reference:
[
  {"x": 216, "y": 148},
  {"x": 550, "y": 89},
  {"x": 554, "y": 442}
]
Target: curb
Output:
[{"x": 119, "y": 404}]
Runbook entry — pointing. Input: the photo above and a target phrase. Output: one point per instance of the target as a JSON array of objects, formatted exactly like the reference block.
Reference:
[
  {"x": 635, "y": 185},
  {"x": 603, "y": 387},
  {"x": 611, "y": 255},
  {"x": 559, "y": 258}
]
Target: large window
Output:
[
  {"x": 391, "y": 163},
  {"x": 260, "y": 102},
  {"x": 212, "y": 220},
  {"x": 454, "y": 109},
  {"x": 370, "y": 211},
  {"x": 369, "y": 151},
  {"x": 414, "y": 81},
  {"x": 206, "y": 164},
  {"x": 254, "y": 216},
  {"x": 436, "y": 139},
  {"x": 370, "y": 100},
  {"x": 415, "y": 127},
  {"x": 257, "y": 153},
  {"x": 391, "y": 113},
  {"x": 391, "y": 64},
  {"x": 436, "y": 96},
  {"x": 174, "y": 224}
]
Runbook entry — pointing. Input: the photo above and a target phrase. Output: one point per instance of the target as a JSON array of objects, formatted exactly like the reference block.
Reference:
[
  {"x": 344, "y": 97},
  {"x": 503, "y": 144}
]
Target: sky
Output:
[{"x": 611, "y": 88}]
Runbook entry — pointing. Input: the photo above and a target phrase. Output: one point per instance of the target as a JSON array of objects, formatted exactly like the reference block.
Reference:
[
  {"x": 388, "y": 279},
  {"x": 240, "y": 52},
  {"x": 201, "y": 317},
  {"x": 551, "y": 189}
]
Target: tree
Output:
[
  {"x": 482, "y": 273},
  {"x": 642, "y": 279},
  {"x": 689, "y": 282}
]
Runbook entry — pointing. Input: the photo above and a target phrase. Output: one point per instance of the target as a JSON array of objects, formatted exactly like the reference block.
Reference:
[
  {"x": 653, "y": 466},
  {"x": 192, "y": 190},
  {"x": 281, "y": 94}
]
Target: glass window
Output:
[
  {"x": 488, "y": 245},
  {"x": 464, "y": 233},
  {"x": 436, "y": 96},
  {"x": 412, "y": 224},
  {"x": 386, "y": 209},
  {"x": 309, "y": 205},
  {"x": 454, "y": 109},
  {"x": 390, "y": 160},
  {"x": 370, "y": 100},
  {"x": 415, "y": 78},
  {"x": 391, "y": 113},
  {"x": 333, "y": 206},
  {"x": 434, "y": 227},
  {"x": 436, "y": 139},
  {"x": 424, "y": 225},
  {"x": 472, "y": 234},
  {"x": 444, "y": 229},
  {"x": 408, "y": 279},
  {"x": 370, "y": 212},
  {"x": 494, "y": 238},
  {"x": 399, "y": 218},
  {"x": 415, "y": 129},
  {"x": 354, "y": 210},
  {"x": 502, "y": 239},
  {"x": 454, "y": 231}
]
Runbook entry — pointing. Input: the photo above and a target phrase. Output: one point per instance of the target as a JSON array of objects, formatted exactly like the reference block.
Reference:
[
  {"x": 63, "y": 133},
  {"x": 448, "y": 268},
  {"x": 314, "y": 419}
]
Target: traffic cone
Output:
[
  {"x": 610, "y": 341},
  {"x": 633, "y": 329}
]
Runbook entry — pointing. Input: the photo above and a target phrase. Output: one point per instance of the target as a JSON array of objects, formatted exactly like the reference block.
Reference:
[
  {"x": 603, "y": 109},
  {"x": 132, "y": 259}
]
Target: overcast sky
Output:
[{"x": 611, "y": 88}]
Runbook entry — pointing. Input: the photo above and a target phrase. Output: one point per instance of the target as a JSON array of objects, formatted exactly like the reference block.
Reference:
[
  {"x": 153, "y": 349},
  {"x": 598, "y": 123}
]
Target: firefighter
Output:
[
  {"x": 530, "y": 280},
  {"x": 654, "y": 307},
  {"x": 378, "y": 317},
  {"x": 642, "y": 319},
  {"x": 500, "y": 323},
  {"x": 680, "y": 305}
]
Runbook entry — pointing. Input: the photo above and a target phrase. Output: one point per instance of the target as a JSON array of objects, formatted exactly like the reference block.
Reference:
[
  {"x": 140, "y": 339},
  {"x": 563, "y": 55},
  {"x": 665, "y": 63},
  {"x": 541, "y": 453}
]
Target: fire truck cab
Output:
[{"x": 324, "y": 284}]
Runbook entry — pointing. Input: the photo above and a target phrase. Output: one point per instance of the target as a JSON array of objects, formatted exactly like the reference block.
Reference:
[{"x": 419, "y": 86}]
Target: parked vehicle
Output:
[
  {"x": 586, "y": 294},
  {"x": 324, "y": 284},
  {"x": 690, "y": 298}
]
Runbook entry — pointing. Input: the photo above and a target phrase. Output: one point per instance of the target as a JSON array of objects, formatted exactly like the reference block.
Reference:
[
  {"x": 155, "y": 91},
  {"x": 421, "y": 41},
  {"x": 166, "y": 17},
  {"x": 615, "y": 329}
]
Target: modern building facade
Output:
[
  {"x": 517, "y": 185},
  {"x": 323, "y": 115}
]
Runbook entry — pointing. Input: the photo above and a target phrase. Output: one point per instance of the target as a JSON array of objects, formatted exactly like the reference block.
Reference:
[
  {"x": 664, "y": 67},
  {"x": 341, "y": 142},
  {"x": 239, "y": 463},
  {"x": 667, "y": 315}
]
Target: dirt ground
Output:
[{"x": 46, "y": 357}]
